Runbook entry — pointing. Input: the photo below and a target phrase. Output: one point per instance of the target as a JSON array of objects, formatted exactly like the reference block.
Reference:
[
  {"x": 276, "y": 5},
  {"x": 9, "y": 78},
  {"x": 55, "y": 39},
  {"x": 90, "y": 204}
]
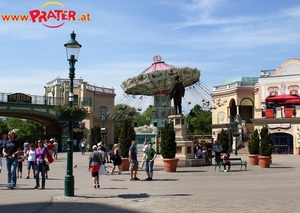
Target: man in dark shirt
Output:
[{"x": 133, "y": 161}]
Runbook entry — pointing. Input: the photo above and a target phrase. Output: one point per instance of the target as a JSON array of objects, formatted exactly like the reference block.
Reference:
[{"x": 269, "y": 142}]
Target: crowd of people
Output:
[
  {"x": 204, "y": 150},
  {"x": 38, "y": 154},
  {"x": 101, "y": 155}
]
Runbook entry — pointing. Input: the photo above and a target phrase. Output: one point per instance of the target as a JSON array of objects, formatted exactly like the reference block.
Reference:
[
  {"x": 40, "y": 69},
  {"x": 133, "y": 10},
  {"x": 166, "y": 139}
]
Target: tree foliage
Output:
[
  {"x": 253, "y": 144},
  {"x": 199, "y": 121},
  {"x": 3, "y": 127},
  {"x": 122, "y": 111},
  {"x": 95, "y": 136},
  {"x": 27, "y": 129},
  {"x": 223, "y": 138},
  {"x": 127, "y": 135},
  {"x": 168, "y": 144}
]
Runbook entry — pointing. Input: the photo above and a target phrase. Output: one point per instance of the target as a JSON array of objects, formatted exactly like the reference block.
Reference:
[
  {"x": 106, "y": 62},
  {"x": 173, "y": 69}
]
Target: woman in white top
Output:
[{"x": 30, "y": 155}]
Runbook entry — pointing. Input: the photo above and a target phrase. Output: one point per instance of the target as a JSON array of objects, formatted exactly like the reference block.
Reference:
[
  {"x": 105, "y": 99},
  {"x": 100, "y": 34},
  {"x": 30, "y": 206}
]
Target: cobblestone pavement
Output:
[{"x": 190, "y": 189}]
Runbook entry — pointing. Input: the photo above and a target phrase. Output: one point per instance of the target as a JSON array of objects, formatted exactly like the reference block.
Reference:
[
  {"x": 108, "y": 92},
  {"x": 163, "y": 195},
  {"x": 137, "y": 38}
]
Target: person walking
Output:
[
  {"x": 151, "y": 155},
  {"x": 133, "y": 161},
  {"x": 40, "y": 153},
  {"x": 11, "y": 152},
  {"x": 144, "y": 159},
  {"x": 26, "y": 146},
  {"x": 217, "y": 148},
  {"x": 117, "y": 160},
  {"x": 95, "y": 161},
  {"x": 30, "y": 155},
  {"x": 82, "y": 146},
  {"x": 55, "y": 149}
]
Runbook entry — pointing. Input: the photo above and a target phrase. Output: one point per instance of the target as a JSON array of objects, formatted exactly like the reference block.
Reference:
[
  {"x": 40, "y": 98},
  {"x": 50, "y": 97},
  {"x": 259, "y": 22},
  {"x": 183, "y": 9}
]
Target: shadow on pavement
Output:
[
  {"x": 190, "y": 171},
  {"x": 63, "y": 207}
]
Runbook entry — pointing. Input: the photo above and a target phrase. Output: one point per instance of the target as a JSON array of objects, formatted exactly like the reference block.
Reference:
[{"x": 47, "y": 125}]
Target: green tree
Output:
[
  {"x": 3, "y": 126},
  {"x": 95, "y": 136},
  {"x": 199, "y": 121},
  {"x": 122, "y": 111},
  {"x": 253, "y": 144},
  {"x": 266, "y": 142},
  {"x": 168, "y": 144},
  {"x": 146, "y": 117},
  {"x": 127, "y": 135},
  {"x": 27, "y": 129},
  {"x": 223, "y": 138}
]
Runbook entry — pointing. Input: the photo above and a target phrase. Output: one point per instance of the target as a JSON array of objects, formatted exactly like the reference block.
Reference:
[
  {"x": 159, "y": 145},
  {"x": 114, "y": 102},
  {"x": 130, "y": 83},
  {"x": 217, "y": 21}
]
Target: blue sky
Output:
[{"x": 222, "y": 38}]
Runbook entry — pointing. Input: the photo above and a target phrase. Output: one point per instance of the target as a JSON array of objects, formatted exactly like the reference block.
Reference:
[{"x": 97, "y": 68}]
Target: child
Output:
[
  {"x": 20, "y": 165},
  {"x": 30, "y": 155}
]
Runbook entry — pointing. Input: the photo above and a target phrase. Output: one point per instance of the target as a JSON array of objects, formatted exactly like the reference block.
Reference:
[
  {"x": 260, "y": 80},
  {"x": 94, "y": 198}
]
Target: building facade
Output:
[
  {"x": 98, "y": 100},
  {"x": 248, "y": 103}
]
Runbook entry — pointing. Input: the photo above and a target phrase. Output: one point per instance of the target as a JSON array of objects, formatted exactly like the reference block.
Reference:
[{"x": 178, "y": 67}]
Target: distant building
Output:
[
  {"x": 98, "y": 100},
  {"x": 244, "y": 104}
]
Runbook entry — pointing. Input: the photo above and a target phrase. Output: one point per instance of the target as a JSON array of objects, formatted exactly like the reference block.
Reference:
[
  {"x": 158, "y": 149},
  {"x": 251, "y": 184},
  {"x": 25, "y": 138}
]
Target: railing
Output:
[
  {"x": 41, "y": 100},
  {"x": 233, "y": 85}
]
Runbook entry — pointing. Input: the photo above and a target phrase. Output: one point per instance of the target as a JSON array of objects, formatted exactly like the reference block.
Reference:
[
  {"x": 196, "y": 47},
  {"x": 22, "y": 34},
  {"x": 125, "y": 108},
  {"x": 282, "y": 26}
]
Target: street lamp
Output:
[
  {"x": 104, "y": 117},
  {"x": 62, "y": 90},
  {"x": 72, "y": 49}
]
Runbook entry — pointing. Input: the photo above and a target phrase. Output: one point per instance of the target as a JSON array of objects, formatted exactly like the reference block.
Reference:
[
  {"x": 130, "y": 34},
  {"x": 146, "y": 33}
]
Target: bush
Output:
[
  {"x": 168, "y": 144},
  {"x": 253, "y": 144},
  {"x": 266, "y": 143},
  {"x": 127, "y": 135},
  {"x": 223, "y": 137}
]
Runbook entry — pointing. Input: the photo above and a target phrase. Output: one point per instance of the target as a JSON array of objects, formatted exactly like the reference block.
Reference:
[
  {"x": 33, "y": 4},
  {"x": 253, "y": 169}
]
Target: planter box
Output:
[
  {"x": 253, "y": 159},
  {"x": 170, "y": 164},
  {"x": 264, "y": 161},
  {"x": 76, "y": 116},
  {"x": 125, "y": 164}
]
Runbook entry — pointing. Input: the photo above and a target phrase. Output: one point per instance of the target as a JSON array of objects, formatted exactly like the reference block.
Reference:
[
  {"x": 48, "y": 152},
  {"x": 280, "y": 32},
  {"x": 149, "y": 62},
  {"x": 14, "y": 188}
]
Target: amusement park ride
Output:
[{"x": 156, "y": 81}]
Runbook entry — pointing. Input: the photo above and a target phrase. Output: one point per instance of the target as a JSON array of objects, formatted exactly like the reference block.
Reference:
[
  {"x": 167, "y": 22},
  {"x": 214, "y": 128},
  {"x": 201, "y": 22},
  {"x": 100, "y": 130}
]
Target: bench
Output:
[{"x": 233, "y": 161}]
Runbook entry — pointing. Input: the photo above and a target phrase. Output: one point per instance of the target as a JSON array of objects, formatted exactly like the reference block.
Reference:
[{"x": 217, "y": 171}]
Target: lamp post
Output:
[
  {"x": 62, "y": 90},
  {"x": 72, "y": 49},
  {"x": 104, "y": 117}
]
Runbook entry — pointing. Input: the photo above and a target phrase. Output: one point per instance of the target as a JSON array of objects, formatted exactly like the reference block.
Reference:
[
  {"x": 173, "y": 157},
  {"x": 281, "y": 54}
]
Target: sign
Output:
[
  {"x": 269, "y": 113},
  {"x": 19, "y": 98},
  {"x": 282, "y": 126},
  {"x": 51, "y": 14},
  {"x": 246, "y": 102},
  {"x": 103, "y": 131}
]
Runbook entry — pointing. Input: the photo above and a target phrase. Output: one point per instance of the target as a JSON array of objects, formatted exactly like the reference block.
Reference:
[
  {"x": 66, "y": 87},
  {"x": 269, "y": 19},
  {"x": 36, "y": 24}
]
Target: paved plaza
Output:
[{"x": 190, "y": 189}]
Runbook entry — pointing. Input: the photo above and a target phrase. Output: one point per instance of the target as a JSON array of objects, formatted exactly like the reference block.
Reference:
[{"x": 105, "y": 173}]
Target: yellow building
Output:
[
  {"x": 98, "y": 100},
  {"x": 247, "y": 103}
]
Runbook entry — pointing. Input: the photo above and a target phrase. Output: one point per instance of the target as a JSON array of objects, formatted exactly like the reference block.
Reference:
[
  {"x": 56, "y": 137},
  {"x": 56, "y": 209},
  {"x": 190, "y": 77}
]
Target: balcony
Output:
[{"x": 277, "y": 115}]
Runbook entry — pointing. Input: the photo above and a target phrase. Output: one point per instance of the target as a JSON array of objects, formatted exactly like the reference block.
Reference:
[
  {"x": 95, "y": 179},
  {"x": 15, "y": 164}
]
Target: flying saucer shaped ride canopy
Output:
[{"x": 156, "y": 81}]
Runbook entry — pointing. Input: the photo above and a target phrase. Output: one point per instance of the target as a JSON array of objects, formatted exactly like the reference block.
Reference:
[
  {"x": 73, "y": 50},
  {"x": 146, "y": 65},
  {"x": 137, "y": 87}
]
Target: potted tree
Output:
[
  {"x": 168, "y": 147},
  {"x": 265, "y": 148},
  {"x": 253, "y": 148},
  {"x": 127, "y": 135}
]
